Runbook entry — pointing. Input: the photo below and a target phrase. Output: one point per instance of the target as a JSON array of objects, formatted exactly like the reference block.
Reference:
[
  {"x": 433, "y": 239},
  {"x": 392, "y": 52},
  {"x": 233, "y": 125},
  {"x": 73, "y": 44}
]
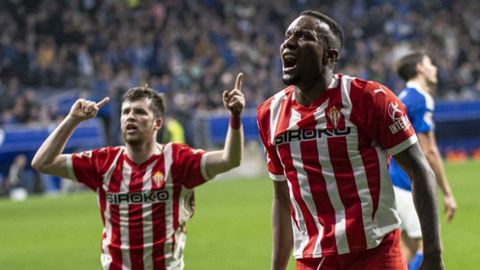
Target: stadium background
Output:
[{"x": 52, "y": 52}]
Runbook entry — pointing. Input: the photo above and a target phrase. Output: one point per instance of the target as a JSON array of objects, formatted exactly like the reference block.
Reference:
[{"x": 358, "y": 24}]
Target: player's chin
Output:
[
  {"x": 290, "y": 79},
  {"x": 131, "y": 139}
]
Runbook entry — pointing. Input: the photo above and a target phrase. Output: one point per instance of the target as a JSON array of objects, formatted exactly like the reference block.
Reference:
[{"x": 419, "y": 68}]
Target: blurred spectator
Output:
[
  {"x": 21, "y": 176},
  {"x": 189, "y": 50}
]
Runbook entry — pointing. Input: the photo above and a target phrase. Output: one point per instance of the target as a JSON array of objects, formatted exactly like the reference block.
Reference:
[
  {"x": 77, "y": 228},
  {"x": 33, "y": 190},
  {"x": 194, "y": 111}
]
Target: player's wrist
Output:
[
  {"x": 433, "y": 253},
  {"x": 235, "y": 121}
]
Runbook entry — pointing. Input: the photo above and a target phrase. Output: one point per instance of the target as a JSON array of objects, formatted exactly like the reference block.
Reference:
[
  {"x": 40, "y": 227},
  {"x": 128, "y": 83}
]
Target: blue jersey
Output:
[{"x": 420, "y": 107}]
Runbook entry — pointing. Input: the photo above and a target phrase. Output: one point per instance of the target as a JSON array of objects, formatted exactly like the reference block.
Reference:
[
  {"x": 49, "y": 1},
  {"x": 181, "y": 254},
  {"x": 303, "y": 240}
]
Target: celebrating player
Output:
[
  {"x": 420, "y": 74},
  {"x": 144, "y": 189},
  {"x": 327, "y": 138}
]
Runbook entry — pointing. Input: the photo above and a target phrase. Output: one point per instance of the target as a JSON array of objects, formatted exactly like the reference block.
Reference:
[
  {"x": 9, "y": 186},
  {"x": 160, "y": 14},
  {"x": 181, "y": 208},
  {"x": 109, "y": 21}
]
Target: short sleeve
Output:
[
  {"x": 274, "y": 166},
  {"x": 190, "y": 165},
  {"x": 83, "y": 167},
  {"x": 386, "y": 120}
]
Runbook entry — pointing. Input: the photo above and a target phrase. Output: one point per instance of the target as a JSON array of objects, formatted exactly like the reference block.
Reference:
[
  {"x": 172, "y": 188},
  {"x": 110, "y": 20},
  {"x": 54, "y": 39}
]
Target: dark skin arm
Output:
[
  {"x": 281, "y": 226},
  {"x": 413, "y": 161}
]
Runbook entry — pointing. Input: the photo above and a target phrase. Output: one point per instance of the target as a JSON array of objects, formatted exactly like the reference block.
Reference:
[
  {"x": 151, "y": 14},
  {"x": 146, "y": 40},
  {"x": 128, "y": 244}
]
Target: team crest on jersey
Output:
[
  {"x": 157, "y": 178},
  {"x": 334, "y": 115}
]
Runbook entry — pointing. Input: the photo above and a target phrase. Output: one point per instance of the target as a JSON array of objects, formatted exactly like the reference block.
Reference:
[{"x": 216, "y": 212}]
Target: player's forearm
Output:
[
  {"x": 53, "y": 146},
  {"x": 425, "y": 198},
  {"x": 233, "y": 149},
  {"x": 435, "y": 161},
  {"x": 282, "y": 239},
  {"x": 231, "y": 155}
]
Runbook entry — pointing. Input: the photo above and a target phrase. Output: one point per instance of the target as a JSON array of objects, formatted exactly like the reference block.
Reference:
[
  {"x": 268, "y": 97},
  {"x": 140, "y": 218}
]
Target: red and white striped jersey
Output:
[
  {"x": 144, "y": 207},
  {"x": 334, "y": 156}
]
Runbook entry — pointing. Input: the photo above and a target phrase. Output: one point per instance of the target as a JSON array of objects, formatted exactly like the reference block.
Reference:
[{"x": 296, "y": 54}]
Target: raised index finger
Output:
[
  {"x": 239, "y": 81},
  {"x": 103, "y": 102}
]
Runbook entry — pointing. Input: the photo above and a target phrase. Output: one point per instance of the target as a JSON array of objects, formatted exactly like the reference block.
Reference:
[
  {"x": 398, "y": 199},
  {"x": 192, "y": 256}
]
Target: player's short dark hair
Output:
[
  {"x": 336, "y": 41},
  {"x": 407, "y": 65},
  {"x": 137, "y": 93}
]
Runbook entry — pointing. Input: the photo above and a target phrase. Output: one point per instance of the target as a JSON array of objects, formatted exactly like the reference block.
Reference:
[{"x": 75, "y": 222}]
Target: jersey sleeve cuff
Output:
[
  {"x": 71, "y": 173},
  {"x": 404, "y": 145},
  {"x": 277, "y": 177},
  {"x": 203, "y": 168}
]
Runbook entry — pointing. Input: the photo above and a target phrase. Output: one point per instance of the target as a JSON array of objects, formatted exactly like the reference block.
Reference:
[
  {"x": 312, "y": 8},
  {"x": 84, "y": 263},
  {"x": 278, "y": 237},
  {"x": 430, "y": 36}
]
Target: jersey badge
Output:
[
  {"x": 334, "y": 115},
  {"x": 157, "y": 178}
]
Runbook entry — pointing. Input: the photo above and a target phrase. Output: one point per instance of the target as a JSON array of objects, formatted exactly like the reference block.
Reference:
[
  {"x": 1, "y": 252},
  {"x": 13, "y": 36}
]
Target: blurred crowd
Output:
[{"x": 191, "y": 49}]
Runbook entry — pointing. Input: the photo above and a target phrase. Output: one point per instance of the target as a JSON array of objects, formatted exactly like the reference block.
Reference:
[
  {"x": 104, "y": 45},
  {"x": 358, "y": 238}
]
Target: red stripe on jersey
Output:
[
  {"x": 372, "y": 170},
  {"x": 135, "y": 218},
  {"x": 344, "y": 177},
  {"x": 286, "y": 113},
  {"x": 325, "y": 210},
  {"x": 309, "y": 221},
  {"x": 285, "y": 152},
  {"x": 114, "y": 249},
  {"x": 158, "y": 219}
]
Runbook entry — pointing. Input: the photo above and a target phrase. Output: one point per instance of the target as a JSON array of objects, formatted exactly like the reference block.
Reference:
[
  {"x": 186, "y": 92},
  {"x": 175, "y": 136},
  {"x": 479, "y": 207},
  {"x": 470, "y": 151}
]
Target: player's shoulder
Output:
[
  {"x": 362, "y": 89},
  {"x": 182, "y": 148},
  {"x": 412, "y": 96},
  {"x": 265, "y": 106}
]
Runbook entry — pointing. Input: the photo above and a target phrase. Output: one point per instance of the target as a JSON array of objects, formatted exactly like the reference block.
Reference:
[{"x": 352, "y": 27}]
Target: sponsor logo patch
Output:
[
  {"x": 400, "y": 121},
  {"x": 138, "y": 197}
]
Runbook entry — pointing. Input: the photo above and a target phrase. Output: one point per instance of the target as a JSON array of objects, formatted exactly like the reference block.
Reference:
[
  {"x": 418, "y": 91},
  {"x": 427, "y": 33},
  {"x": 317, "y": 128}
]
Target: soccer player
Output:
[
  {"x": 328, "y": 137},
  {"x": 144, "y": 189},
  {"x": 420, "y": 74}
]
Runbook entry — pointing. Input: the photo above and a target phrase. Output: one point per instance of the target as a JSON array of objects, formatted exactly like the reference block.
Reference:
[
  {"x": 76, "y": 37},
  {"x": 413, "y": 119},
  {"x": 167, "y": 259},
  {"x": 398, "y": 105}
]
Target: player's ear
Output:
[
  {"x": 330, "y": 56},
  {"x": 158, "y": 122}
]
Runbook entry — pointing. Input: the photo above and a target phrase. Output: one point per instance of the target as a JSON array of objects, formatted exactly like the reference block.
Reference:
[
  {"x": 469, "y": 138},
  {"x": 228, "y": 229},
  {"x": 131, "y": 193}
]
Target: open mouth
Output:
[
  {"x": 289, "y": 61},
  {"x": 131, "y": 128}
]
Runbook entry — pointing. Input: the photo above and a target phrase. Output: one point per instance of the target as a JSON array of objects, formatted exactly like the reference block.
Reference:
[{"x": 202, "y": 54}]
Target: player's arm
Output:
[
  {"x": 282, "y": 236},
  {"x": 48, "y": 158},
  {"x": 413, "y": 161},
  {"x": 429, "y": 147},
  {"x": 231, "y": 155}
]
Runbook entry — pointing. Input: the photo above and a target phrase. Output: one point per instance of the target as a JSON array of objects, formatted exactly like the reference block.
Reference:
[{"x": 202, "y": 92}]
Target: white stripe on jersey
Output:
[
  {"x": 358, "y": 167},
  {"x": 386, "y": 216},
  {"x": 168, "y": 155},
  {"x": 304, "y": 184},
  {"x": 275, "y": 107},
  {"x": 106, "y": 258},
  {"x": 71, "y": 174},
  {"x": 124, "y": 217},
  {"x": 332, "y": 189},
  {"x": 147, "y": 220}
]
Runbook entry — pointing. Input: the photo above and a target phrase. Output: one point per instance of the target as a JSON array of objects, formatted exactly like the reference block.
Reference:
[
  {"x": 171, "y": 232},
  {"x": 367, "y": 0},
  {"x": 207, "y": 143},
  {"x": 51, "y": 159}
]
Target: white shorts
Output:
[{"x": 408, "y": 215}]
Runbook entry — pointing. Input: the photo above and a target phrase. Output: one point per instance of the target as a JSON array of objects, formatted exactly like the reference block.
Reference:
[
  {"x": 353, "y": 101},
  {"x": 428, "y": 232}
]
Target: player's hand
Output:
[
  {"x": 84, "y": 109},
  {"x": 234, "y": 100},
  {"x": 450, "y": 207},
  {"x": 432, "y": 263}
]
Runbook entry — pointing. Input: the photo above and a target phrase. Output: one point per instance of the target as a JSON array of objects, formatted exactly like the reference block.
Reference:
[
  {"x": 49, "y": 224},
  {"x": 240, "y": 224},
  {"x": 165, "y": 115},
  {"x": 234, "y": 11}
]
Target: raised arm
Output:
[
  {"x": 413, "y": 161},
  {"x": 231, "y": 155},
  {"x": 49, "y": 158},
  {"x": 429, "y": 147},
  {"x": 282, "y": 236}
]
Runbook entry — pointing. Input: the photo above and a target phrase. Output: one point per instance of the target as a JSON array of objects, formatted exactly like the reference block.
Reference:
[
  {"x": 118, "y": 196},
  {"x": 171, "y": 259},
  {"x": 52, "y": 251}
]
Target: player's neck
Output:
[
  {"x": 422, "y": 83},
  {"x": 306, "y": 94},
  {"x": 139, "y": 153}
]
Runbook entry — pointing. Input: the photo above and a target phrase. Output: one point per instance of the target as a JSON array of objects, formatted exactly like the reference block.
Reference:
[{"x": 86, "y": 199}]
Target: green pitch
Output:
[{"x": 230, "y": 230}]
